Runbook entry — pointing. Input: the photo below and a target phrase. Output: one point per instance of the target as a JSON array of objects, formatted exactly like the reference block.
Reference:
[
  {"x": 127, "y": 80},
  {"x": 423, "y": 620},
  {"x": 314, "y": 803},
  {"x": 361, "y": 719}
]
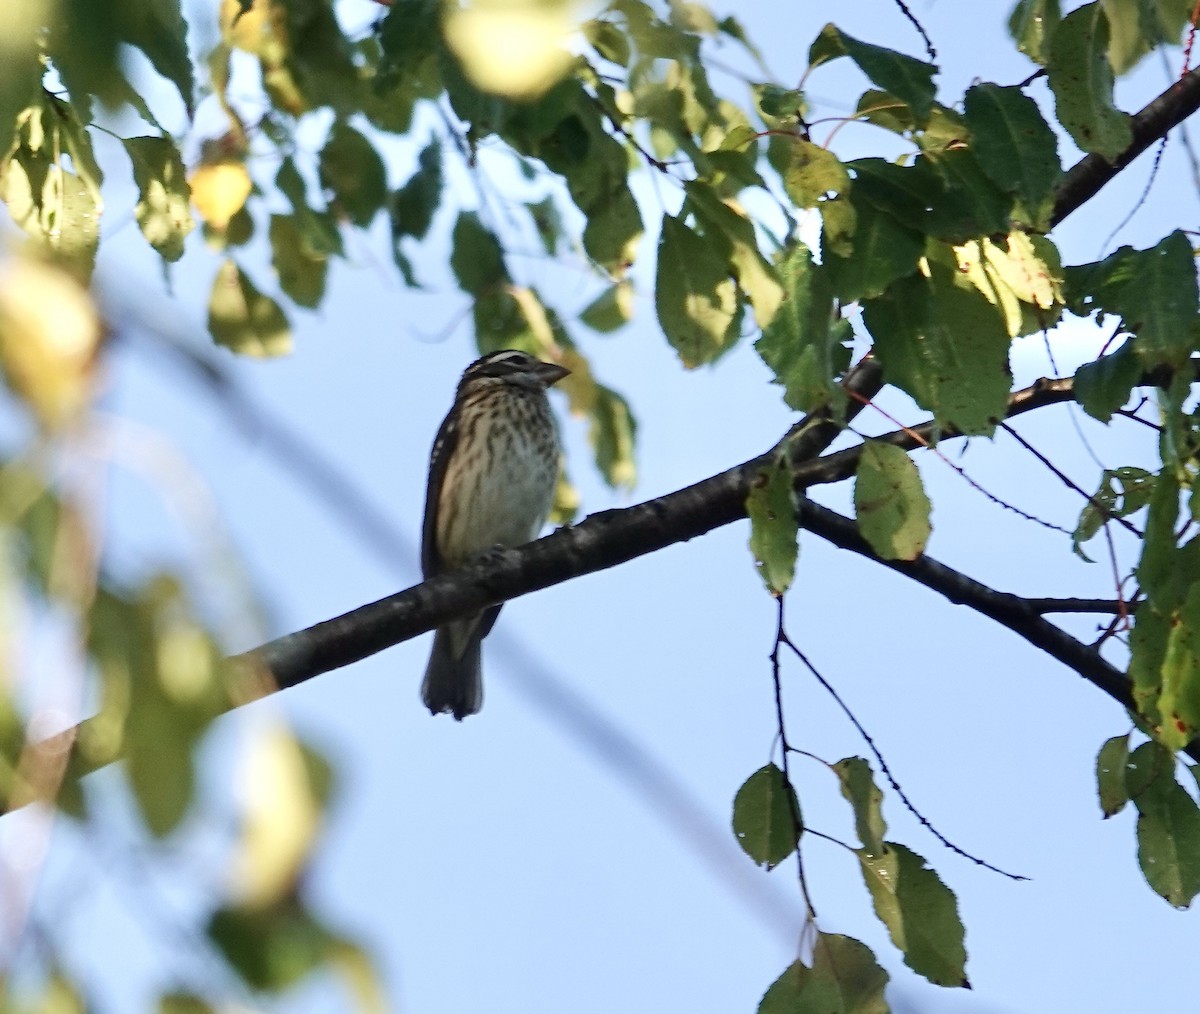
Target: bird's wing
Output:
[{"x": 443, "y": 449}]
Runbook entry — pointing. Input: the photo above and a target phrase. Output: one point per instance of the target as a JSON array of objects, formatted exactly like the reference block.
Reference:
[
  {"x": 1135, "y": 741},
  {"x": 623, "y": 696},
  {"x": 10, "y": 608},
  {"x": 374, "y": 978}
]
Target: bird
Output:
[{"x": 492, "y": 476}]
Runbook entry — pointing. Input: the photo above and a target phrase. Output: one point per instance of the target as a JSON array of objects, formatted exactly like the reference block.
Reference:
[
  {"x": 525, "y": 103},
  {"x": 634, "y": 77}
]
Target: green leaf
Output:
[
  {"x": 1138, "y": 26},
  {"x": 301, "y": 271},
  {"x": 1147, "y": 765},
  {"x": 352, "y": 169},
  {"x": 1168, "y": 835},
  {"x": 243, "y": 319},
  {"x": 910, "y": 80},
  {"x": 320, "y": 228},
  {"x": 773, "y": 526},
  {"x": 694, "y": 294},
  {"x": 157, "y": 28},
  {"x": 812, "y": 172},
  {"x": 804, "y": 345},
  {"x": 1178, "y": 704},
  {"x": 1014, "y": 146},
  {"x": 755, "y": 276},
  {"x": 1110, "y": 775},
  {"x": 611, "y": 310},
  {"x": 477, "y": 259},
  {"x": 880, "y": 251},
  {"x": 613, "y": 433},
  {"x": 1105, "y": 384},
  {"x": 765, "y": 814},
  {"x": 1032, "y": 27},
  {"x": 845, "y": 979},
  {"x": 414, "y": 204},
  {"x": 163, "y": 210},
  {"x": 1154, "y": 291},
  {"x": 890, "y": 501},
  {"x": 273, "y": 948},
  {"x": 859, "y": 788},
  {"x": 941, "y": 341},
  {"x": 1081, "y": 79},
  {"x": 919, "y": 911}
]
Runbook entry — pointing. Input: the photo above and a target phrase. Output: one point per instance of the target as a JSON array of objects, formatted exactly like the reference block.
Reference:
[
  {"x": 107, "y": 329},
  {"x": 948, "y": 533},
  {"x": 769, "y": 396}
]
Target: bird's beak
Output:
[{"x": 551, "y": 373}]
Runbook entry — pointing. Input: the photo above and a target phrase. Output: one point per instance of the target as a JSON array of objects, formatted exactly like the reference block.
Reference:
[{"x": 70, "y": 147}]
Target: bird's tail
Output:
[{"x": 453, "y": 684}]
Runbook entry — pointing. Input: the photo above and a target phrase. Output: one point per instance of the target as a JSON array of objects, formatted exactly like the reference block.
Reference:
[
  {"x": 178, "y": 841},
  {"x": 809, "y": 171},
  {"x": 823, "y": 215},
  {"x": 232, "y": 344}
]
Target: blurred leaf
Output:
[
  {"x": 245, "y": 320},
  {"x": 183, "y": 1003},
  {"x": 515, "y": 49},
  {"x": 219, "y": 191},
  {"x": 805, "y": 345},
  {"x": 272, "y": 948},
  {"x": 694, "y": 294},
  {"x": 50, "y": 335},
  {"x": 1168, "y": 834},
  {"x": 613, "y": 435},
  {"x": 845, "y": 979},
  {"x": 859, "y": 788},
  {"x": 157, "y": 28},
  {"x": 414, "y": 204},
  {"x": 1081, "y": 79},
  {"x": 162, "y": 211},
  {"x": 477, "y": 259},
  {"x": 773, "y": 526},
  {"x": 320, "y": 228},
  {"x": 765, "y": 812},
  {"x": 301, "y": 270},
  {"x": 1105, "y": 384},
  {"x": 22, "y": 77},
  {"x": 353, "y": 171},
  {"x": 1139, "y": 26},
  {"x": 611, "y": 310},
  {"x": 1015, "y": 146},
  {"x": 1110, "y": 775},
  {"x": 890, "y": 502},
  {"x": 1032, "y": 27},
  {"x": 910, "y": 80},
  {"x": 919, "y": 911},
  {"x": 282, "y": 806}
]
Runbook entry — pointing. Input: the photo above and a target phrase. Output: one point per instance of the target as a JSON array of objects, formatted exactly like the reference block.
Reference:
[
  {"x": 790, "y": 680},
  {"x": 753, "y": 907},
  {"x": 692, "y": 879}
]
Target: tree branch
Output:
[
  {"x": 613, "y": 537},
  {"x": 1021, "y": 616}
]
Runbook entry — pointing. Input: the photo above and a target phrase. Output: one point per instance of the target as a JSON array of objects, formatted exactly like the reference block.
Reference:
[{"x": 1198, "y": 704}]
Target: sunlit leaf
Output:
[
  {"x": 515, "y": 48},
  {"x": 1032, "y": 26},
  {"x": 695, "y": 295},
  {"x": 859, "y": 788},
  {"x": 162, "y": 210},
  {"x": 890, "y": 502},
  {"x": 919, "y": 911},
  {"x": 219, "y": 191}
]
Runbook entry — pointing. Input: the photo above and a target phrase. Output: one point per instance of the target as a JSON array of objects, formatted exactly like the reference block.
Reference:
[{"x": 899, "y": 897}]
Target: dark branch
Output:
[{"x": 1011, "y": 611}]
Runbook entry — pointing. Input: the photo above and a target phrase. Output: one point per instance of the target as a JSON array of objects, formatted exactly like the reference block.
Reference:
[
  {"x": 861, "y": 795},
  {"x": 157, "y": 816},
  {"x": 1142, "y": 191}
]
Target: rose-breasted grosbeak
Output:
[{"x": 491, "y": 483}]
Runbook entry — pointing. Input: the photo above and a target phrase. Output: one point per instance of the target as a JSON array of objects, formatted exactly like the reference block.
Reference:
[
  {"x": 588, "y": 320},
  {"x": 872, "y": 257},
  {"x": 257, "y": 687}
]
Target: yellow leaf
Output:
[
  {"x": 49, "y": 334},
  {"x": 512, "y": 47},
  {"x": 219, "y": 191},
  {"x": 281, "y": 817}
]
